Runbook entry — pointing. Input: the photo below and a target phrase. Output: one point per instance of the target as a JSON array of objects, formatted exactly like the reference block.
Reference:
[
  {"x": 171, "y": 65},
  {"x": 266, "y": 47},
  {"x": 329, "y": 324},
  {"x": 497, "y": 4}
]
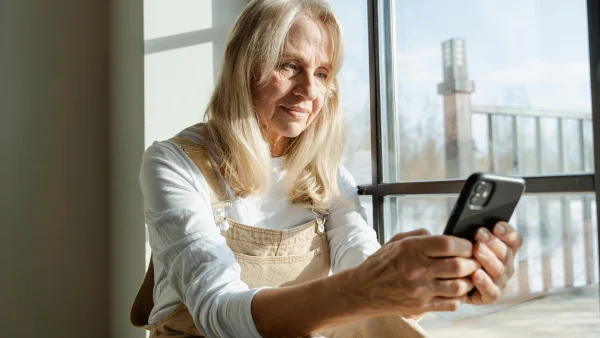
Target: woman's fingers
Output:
[
  {"x": 487, "y": 291},
  {"x": 443, "y": 246},
  {"x": 446, "y": 304},
  {"x": 493, "y": 243},
  {"x": 403, "y": 235},
  {"x": 453, "y": 287},
  {"x": 504, "y": 242},
  {"x": 499, "y": 271},
  {"x": 453, "y": 267},
  {"x": 496, "y": 254},
  {"x": 508, "y": 235}
]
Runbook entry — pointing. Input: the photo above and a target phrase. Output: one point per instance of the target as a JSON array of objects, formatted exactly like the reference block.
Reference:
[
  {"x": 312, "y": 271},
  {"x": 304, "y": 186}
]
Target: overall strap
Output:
[
  {"x": 144, "y": 302},
  {"x": 199, "y": 155}
]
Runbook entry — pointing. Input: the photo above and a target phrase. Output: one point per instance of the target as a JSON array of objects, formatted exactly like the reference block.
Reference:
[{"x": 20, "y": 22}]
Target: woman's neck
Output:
[{"x": 277, "y": 144}]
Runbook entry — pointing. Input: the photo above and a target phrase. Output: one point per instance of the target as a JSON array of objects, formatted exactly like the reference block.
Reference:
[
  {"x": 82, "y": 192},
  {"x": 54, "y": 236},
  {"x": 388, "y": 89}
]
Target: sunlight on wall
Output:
[
  {"x": 165, "y": 18},
  {"x": 178, "y": 85}
]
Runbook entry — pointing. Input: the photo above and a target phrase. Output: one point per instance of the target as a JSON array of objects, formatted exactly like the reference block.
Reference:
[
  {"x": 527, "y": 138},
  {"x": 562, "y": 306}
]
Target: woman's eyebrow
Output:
[
  {"x": 292, "y": 56},
  {"x": 299, "y": 57}
]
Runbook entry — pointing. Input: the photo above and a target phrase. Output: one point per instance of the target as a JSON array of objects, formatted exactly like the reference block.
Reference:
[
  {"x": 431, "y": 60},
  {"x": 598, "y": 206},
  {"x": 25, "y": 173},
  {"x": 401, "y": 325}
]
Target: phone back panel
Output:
[{"x": 464, "y": 221}]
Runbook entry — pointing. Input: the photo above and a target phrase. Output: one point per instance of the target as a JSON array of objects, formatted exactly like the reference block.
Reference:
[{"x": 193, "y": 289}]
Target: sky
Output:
[{"x": 536, "y": 46}]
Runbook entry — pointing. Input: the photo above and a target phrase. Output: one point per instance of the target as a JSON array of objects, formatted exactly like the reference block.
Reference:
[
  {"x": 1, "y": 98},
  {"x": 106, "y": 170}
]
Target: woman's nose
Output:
[{"x": 306, "y": 87}]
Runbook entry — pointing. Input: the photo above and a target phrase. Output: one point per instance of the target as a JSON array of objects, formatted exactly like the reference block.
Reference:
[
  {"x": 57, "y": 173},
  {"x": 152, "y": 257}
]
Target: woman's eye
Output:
[
  {"x": 289, "y": 66},
  {"x": 322, "y": 75}
]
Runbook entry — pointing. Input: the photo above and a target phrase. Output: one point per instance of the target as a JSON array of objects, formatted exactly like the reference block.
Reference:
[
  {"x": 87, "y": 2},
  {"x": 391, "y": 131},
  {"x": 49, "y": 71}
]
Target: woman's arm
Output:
[
  {"x": 411, "y": 274},
  {"x": 297, "y": 311},
  {"x": 196, "y": 261},
  {"x": 351, "y": 239}
]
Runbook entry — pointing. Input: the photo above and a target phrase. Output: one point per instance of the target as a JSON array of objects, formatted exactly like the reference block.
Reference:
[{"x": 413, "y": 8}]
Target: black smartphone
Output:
[{"x": 485, "y": 199}]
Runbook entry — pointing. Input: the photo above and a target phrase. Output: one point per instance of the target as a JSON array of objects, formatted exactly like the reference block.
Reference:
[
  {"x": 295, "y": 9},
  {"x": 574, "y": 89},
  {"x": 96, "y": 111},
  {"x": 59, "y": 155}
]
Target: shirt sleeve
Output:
[
  {"x": 199, "y": 265},
  {"x": 351, "y": 239}
]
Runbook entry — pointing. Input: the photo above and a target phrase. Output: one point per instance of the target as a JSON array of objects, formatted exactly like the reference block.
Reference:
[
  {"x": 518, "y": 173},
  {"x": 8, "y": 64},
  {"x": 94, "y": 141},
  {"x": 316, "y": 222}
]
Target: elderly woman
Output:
[{"x": 256, "y": 229}]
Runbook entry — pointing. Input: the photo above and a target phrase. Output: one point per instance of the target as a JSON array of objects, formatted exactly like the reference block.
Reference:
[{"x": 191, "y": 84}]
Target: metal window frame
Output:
[
  {"x": 375, "y": 81},
  {"x": 543, "y": 184},
  {"x": 593, "y": 8}
]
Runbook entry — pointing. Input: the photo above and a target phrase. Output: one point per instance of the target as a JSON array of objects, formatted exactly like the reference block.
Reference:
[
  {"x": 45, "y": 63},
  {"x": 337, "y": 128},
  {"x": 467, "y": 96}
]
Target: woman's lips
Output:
[{"x": 293, "y": 112}]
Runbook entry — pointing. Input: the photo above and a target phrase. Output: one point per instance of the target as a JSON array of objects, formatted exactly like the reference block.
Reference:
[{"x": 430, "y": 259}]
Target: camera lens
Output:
[
  {"x": 481, "y": 186},
  {"x": 477, "y": 200}
]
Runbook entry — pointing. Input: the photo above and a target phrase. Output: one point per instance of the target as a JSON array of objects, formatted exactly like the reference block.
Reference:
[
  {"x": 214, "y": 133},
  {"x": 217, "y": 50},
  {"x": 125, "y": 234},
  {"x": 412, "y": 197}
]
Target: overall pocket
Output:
[{"x": 277, "y": 271}]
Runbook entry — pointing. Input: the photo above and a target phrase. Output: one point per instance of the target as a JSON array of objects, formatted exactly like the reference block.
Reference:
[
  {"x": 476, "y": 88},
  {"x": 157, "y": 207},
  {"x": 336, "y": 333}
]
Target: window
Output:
[
  {"x": 462, "y": 86},
  {"x": 472, "y": 91},
  {"x": 355, "y": 91}
]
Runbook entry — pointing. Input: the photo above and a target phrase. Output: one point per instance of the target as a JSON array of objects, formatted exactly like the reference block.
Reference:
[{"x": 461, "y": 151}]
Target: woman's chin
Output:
[{"x": 291, "y": 131}]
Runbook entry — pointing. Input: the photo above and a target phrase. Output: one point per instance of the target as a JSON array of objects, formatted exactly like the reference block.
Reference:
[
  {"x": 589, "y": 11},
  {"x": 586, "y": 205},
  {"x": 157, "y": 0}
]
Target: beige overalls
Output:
[{"x": 267, "y": 258}]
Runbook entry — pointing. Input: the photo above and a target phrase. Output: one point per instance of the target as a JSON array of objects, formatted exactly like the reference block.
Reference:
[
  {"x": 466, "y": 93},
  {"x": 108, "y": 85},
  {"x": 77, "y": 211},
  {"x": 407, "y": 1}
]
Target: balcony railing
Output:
[{"x": 566, "y": 146}]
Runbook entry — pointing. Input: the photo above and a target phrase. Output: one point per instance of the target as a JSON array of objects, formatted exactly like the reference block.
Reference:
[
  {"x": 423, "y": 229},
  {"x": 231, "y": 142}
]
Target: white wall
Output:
[{"x": 184, "y": 43}]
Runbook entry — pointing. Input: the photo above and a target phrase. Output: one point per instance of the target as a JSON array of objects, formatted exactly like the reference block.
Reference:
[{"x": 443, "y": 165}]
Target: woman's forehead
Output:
[{"x": 310, "y": 39}]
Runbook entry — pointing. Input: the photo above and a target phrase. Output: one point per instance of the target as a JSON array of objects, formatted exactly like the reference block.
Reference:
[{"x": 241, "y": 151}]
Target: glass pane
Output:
[
  {"x": 528, "y": 146},
  {"x": 573, "y": 148},
  {"x": 554, "y": 292},
  {"x": 354, "y": 87},
  {"x": 474, "y": 92},
  {"x": 589, "y": 145}
]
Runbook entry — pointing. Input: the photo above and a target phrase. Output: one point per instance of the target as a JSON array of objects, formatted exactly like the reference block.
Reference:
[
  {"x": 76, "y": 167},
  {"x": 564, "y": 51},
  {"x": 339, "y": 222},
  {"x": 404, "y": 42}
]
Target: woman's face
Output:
[{"x": 293, "y": 93}]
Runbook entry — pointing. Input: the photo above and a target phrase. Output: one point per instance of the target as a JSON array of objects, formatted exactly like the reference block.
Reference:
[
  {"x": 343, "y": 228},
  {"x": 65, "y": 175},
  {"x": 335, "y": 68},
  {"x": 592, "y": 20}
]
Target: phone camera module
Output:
[{"x": 481, "y": 194}]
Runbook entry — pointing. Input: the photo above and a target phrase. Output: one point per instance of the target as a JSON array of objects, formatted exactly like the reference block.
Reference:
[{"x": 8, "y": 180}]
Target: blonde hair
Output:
[{"x": 253, "y": 51}]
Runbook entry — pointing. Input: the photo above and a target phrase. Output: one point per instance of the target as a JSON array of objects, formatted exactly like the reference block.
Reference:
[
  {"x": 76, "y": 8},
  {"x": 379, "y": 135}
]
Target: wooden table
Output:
[{"x": 573, "y": 312}]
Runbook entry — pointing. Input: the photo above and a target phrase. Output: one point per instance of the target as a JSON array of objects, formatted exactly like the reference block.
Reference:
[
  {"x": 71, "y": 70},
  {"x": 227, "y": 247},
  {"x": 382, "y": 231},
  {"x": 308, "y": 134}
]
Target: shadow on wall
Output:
[{"x": 54, "y": 180}]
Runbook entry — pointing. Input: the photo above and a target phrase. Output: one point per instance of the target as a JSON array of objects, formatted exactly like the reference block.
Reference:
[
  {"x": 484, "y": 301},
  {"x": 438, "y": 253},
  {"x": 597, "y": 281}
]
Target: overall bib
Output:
[{"x": 267, "y": 257}]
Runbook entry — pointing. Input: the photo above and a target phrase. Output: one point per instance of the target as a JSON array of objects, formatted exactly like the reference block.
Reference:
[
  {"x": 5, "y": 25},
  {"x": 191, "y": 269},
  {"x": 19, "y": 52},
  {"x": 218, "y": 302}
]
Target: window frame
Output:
[{"x": 380, "y": 33}]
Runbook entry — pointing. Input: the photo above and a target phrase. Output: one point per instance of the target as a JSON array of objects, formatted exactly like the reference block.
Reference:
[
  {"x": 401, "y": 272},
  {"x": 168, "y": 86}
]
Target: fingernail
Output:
[
  {"x": 500, "y": 229},
  {"x": 482, "y": 235}
]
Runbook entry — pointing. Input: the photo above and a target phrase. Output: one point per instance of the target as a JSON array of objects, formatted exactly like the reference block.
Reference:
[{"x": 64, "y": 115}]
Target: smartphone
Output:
[{"x": 485, "y": 199}]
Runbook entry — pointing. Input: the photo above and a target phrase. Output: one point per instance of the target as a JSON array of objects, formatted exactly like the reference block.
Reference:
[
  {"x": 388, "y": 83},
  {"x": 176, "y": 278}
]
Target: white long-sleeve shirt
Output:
[{"x": 192, "y": 261}]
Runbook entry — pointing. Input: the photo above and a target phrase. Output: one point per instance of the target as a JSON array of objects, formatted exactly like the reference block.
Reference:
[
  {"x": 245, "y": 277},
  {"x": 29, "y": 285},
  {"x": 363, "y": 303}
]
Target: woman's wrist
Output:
[
  {"x": 339, "y": 303},
  {"x": 299, "y": 310}
]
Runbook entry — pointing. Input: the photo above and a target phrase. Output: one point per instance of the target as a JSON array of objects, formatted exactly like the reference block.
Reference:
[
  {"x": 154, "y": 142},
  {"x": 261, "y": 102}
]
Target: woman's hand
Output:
[
  {"x": 496, "y": 254},
  {"x": 412, "y": 274}
]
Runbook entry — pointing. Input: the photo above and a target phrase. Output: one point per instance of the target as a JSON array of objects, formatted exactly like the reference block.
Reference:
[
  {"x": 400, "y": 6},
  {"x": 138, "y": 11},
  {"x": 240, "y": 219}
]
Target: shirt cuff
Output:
[{"x": 247, "y": 328}]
